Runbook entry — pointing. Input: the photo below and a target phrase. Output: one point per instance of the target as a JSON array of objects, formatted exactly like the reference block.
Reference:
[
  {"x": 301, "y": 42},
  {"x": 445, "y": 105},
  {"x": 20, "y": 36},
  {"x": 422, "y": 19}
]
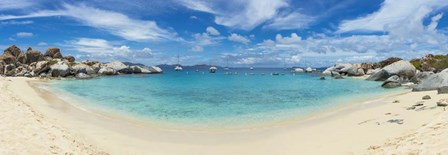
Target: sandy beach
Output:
[{"x": 38, "y": 122}]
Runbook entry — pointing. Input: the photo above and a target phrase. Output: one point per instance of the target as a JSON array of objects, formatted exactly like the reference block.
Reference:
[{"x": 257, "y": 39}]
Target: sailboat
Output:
[
  {"x": 227, "y": 64},
  {"x": 178, "y": 67}
]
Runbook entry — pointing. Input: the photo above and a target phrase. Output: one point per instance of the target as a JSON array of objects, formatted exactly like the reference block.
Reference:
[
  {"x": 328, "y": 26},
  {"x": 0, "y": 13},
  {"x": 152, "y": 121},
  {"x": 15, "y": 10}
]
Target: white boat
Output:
[
  {"x": 178, "y": 67},
  {"x": 251, "y": 68},
  {"x": 213, "y": 69}
]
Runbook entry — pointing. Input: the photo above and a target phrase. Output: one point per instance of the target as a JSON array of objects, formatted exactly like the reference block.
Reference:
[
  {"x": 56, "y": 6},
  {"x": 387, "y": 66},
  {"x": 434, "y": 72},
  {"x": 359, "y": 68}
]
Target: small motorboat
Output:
[{"x": 213, "y": 69}]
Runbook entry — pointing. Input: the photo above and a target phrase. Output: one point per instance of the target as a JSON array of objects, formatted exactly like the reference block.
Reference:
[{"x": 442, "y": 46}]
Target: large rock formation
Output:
[
  {"x": 33, "y": 56},
  {"x": 403, "y": 69},
  {"x": 420, "y": 76},
  {"x": 12, "y": 50},
  {"x": 107, "y": 71},
  {"x": 13, "y": 62},
  {"x": 70, "y": 58},
  {"x": 433, "y": 82},
  {"x": 392, "y": 82},
  {"x": 83, "y": 68},
  {"x": 53, "y": 53},
  {"x": 60, "y": 69}
]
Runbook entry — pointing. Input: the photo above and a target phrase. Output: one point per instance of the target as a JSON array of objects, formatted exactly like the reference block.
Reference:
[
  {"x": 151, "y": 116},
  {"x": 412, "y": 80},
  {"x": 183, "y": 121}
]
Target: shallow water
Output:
[{"x": 211, "y": 100}]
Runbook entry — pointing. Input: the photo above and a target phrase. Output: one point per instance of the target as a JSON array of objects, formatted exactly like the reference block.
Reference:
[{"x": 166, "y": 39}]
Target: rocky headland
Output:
[
  {"x": 421, "y": 74},
  {"x": 52, "y": 64}
]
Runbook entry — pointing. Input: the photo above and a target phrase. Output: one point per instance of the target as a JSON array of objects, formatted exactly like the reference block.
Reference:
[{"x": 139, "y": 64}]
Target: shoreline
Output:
[
  {"x": 340, "y": 105},
  {"x": 352, "y": 130}
]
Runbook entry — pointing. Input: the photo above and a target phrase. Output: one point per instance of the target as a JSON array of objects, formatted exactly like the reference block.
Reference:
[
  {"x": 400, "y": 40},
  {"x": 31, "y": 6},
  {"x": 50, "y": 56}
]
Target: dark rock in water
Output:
[
  {"x": 420, "y": 76},
  {"x": 426, "y": 97},
  {"x": 442, "y": 90},
  {"x": 53, "y": 53},
  {"x": 33, "y": 56},
  {"x": 392, "y": 82},
  {"x": 83, "y": 76},
  {"x": 322, "y": 78},
  {"x": 433, "y": 82},
  {"x": 12, "y": 50},
  {"x": 70, "y": 58},
  {"x": 338, "y": 76}
]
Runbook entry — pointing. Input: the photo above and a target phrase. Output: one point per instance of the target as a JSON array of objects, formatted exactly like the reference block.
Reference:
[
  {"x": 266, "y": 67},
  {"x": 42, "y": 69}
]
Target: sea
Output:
[{"x": 234, "y": 98}]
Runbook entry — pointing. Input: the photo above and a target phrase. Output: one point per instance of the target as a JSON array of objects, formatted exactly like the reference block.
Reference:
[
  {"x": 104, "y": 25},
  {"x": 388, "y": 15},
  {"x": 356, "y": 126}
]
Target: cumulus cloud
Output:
[
  {"x": 24, "y": 34},
  {"x": 238, "y": 38},
  {"x": 113, "y": 22},
  {"x": 100, "y": 49},
  {"x": 244, "y": 15},
  {"x": 209, "y": 38},
  {"x": 212, "y": 31},
  {"x": 392, "y": 14}
]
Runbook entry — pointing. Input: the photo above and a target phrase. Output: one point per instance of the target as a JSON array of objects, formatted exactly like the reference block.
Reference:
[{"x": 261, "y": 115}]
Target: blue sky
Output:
[{"x": 245, "y": 32}]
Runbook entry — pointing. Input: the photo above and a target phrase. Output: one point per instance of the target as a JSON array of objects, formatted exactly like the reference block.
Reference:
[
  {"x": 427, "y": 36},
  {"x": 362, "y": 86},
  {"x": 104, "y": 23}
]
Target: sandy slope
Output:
[
  {"x": 24, "y": 130},
  {"x": 372, "y": 127}
]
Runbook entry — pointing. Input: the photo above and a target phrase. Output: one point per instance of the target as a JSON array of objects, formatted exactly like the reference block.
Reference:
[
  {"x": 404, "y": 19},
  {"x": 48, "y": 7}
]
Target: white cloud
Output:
[
  {"x": 42, "y": 44},
  {"x": 16, "y": 4},
  {"x": 212, "y": 31},
  {"x": 14, "y": 22},
  {"x": 393, "y": 13},
  {"x": 244, "y": 15},
  {"x": 24, "y": 34},
  {"x": 115, "y": 23},
  {"x": 197, "y": 48},
  {"x": 294, "y": 20},
  {"x": 238, "y": 38},
  {"x": 294, "y": 38},
  {"x": 91, "y": 48},
  {"x": 209, "y": 38}
]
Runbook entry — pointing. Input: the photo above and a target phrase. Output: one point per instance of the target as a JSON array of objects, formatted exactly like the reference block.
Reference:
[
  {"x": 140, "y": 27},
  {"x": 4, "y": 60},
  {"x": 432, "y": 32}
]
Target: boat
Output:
[
  {"x": 213, "y": 69},
  {"x": 251, "y": 68},
  {"x": 178, "y": 67}
]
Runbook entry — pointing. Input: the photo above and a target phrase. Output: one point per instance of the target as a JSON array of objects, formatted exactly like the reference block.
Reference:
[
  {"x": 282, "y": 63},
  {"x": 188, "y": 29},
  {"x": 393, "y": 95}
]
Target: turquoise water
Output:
[{"x": 204, "y": 99}]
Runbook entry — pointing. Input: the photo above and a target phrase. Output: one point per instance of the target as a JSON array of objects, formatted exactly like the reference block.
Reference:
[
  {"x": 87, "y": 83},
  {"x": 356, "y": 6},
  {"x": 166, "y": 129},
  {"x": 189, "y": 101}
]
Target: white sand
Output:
[
  {"x": 364, "y": 128},
  {"x": 23, "y": 130}
]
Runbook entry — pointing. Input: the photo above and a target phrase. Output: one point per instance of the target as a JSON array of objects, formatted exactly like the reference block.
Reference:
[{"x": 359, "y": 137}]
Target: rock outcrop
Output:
[
  {"x": 392, "y": 82},
  {"x": 403, "y": 69},
  {"x": 60, "y": 69},
  {"x": 433, "y": 82},
  {"x": 53, "y": 53}
]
